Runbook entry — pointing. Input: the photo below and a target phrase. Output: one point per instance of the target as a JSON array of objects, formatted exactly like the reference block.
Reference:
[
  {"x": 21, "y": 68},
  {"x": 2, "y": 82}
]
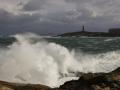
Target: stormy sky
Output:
[{"x": 58, "y": 16}]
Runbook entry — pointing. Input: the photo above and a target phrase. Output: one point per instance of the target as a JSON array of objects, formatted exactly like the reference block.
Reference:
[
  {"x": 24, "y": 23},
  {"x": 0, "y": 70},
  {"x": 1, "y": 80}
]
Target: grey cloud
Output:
[
  {"x": 58, "y": 16},
  {"x": 11, "y": 24},
  {"x": 33, "y": 5}
]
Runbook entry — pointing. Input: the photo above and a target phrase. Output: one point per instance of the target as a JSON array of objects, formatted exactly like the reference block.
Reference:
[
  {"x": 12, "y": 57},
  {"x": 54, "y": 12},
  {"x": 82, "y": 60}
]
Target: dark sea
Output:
[
  {"x": 89, "y": 44},
  {"x": 84, "y": 44}
]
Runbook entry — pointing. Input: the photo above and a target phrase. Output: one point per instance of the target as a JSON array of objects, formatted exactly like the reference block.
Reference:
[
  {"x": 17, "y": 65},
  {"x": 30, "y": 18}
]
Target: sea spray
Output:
[
  {"x": 48, "y": 63},
  {"x": 41, "y": 62}
]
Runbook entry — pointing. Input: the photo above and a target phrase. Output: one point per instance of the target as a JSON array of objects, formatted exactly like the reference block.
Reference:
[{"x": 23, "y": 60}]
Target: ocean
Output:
[{"x": 29, "y": 58}]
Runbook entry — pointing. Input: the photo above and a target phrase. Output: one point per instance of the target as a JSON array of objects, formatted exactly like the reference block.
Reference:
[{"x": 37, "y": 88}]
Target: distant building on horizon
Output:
[{"x": 114, "y": 30}]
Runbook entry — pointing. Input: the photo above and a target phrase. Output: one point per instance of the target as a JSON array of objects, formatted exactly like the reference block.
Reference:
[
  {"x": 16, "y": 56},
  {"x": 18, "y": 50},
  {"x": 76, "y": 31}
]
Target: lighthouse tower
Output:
[{"x": 83, "y": 28}]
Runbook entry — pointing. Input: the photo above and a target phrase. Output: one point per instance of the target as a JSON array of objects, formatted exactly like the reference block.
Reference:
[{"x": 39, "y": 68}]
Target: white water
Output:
[{"x": 48, "y": 63}]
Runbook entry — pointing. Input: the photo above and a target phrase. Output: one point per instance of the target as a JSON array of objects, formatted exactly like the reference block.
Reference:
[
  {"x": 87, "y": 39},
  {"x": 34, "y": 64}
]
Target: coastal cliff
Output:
[{"x": 89, "y": 81}]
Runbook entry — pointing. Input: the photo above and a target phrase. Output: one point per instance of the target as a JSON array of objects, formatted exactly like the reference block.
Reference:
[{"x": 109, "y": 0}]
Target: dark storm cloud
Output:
[
  {"x": 58, "y": 16},
  {"x": 17, "y": 23},
  {"x": 11, "y": 24}
]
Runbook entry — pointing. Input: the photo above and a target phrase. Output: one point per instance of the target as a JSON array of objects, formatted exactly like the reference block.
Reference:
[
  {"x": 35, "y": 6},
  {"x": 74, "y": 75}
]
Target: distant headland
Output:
[{"x": 113, "y": 32}]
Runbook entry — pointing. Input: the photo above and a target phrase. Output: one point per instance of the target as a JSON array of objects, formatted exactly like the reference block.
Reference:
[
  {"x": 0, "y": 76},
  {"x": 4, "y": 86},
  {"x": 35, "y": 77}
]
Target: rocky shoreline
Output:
[
  {"x": 89, "y": 34},
  {"x": 89, "y": 81}
]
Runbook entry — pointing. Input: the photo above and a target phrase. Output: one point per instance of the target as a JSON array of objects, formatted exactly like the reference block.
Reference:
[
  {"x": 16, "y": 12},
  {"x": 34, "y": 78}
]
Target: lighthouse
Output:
[{"x": 83, "y": 28}]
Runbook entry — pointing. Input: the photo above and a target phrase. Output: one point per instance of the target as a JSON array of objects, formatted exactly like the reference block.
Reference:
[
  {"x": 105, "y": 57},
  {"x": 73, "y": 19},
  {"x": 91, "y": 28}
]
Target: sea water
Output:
[{"x": 51, "y": 61}]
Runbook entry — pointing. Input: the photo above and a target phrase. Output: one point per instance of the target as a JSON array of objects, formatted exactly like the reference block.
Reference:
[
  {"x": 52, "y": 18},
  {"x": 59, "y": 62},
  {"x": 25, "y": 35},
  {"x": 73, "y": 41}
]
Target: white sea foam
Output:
[
  {"x": 107, "y": 40},
  {"x": 48, "y": 63}
]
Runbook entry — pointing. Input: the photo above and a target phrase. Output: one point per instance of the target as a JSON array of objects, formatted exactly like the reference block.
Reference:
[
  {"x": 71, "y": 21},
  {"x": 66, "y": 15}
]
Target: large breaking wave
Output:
[{"x": 48, "y": 63}]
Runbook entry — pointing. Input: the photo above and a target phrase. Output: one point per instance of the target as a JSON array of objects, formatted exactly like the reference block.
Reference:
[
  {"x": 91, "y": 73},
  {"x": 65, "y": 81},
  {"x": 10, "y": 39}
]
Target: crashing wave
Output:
[{"x": 48, "y": 63}]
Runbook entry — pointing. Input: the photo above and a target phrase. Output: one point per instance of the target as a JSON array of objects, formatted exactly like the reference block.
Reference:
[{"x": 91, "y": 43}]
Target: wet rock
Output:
[{"x": 95, "y": 81}]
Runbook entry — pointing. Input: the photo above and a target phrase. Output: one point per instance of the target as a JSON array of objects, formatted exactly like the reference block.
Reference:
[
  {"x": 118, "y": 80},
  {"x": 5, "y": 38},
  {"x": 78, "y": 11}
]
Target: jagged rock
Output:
[{"x": 93, "y": 81}]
